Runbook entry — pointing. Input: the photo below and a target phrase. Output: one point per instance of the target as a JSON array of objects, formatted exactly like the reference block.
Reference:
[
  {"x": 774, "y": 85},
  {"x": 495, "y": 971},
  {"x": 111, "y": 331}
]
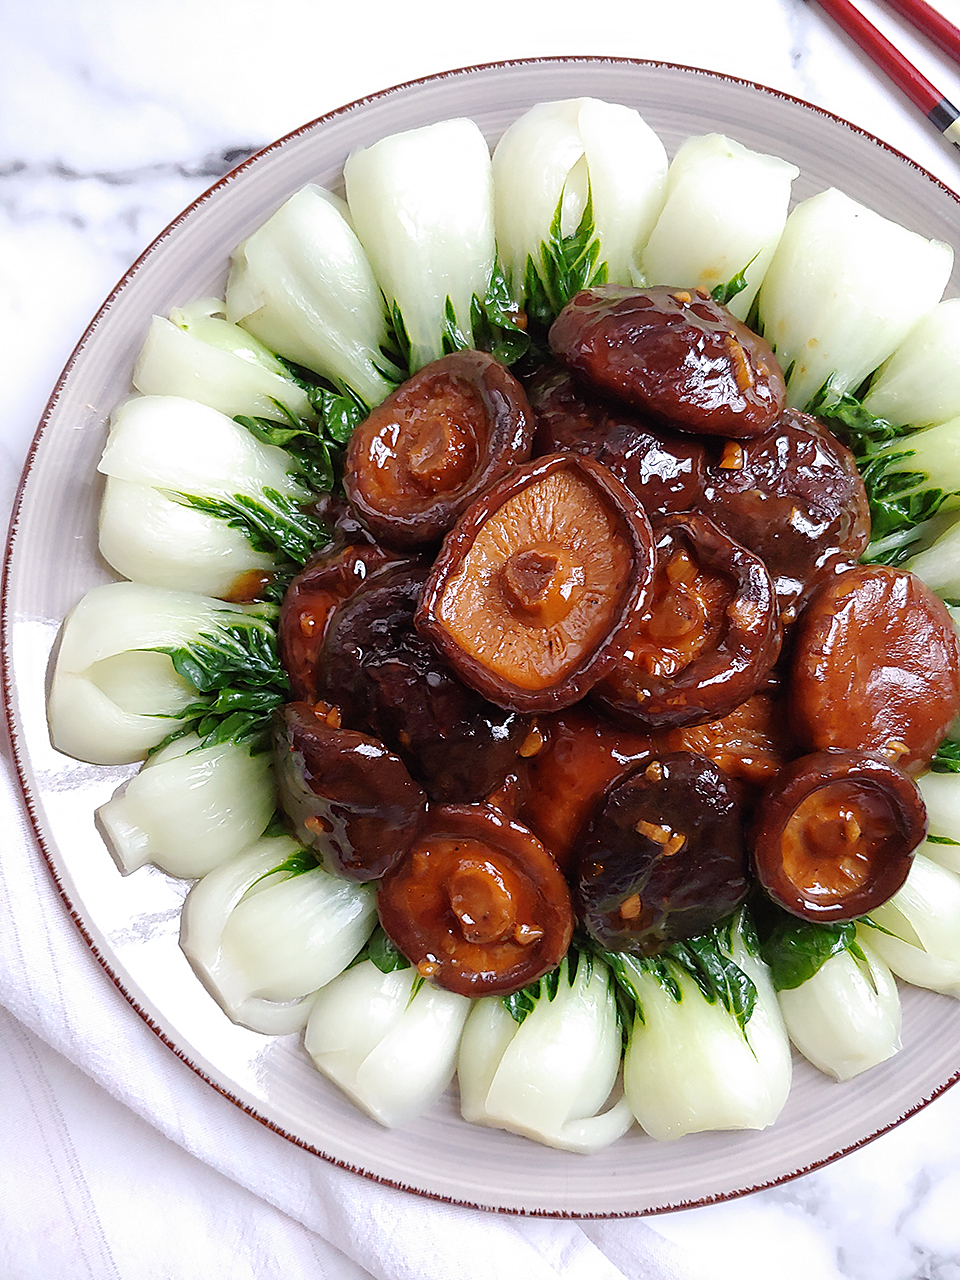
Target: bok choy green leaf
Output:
[{"x": 907, "y": 481}]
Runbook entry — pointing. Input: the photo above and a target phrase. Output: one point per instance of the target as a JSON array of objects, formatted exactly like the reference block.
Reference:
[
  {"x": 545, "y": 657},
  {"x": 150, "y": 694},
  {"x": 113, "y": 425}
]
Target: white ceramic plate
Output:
[{"x": 133, "y": 922}]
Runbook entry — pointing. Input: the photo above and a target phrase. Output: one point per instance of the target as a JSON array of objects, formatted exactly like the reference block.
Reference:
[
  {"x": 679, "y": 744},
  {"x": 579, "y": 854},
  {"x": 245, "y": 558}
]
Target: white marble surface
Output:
[{"x": 114, "y": 114}]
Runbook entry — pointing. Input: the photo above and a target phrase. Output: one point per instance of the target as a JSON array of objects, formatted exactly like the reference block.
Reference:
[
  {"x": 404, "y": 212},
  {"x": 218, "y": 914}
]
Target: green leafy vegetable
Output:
[
  {"x": 519, "y": 1003},
  {"x": 300, "y": 861},
  {"x": 797, "y": 949},
  {"x": 237, "y": 672},
  {"x": 947, "y": 759},
  {"x": 494, "y": 322},
  {"x": 382, "y": 953},
  {"x": 278, "y": 524},
  {"x": 901, "y": 502},
  {"x": 725, "y": 293},
  {"x": 567, "y": 265},
  {"x": 942, "y": 840},
  {"x": 703, "y": 958}
]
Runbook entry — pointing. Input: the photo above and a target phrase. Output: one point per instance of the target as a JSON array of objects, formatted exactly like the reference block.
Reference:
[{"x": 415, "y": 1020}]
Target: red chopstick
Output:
[
  {"x": 933, "y": 25},
  {"x": 938, "y": 110}
]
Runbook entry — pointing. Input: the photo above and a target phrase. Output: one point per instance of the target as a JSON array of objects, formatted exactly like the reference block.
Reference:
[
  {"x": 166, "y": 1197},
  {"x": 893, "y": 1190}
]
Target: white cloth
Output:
[{"x": 84, "y": 1082}]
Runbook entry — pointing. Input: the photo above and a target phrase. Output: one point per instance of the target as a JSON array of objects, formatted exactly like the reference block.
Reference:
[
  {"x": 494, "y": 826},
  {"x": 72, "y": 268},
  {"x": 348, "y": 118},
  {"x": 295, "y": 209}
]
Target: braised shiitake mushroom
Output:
[
  {"x": 708, "y": 637},
  {"x": 391, "y": 682},
  {"x": 350, "y": 799},
  {"x": 751, "y": 743},
  {"x": 876, "y": 667},
  {"x": 579, "y": 754},
  {"x": 328, "y": 578},
  {"x": 673, "y": 353},
  {"x": 664, "y": 857},
  {"x": 795, "y": 498},
  {"x": 434, "y": 444},
  {"x": 834, "y": 834},
  {"x": 663, "y": 469},
  {"x": 478, "y": 905},
  {"x": 533, "y": 593}
]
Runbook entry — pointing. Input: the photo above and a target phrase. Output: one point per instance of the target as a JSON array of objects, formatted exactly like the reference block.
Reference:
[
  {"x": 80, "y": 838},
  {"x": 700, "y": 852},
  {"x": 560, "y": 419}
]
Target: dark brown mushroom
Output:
[
  {"x": 390, "y": 681},
  {"x": 663, "y": 469},
  {"x": 795, "y": 498},
  {"x": 581, "y": 752},
  {"x": 876, "y": 667},
  {"x": 329, "y": 578},
  {"x": 664, "y": 857},
  {"x": 478, "y": 905},
  {"x": 835, "y": 833},
  {"x": 709, "y": 636},
  {"x": 751, "y": 743},
  {"x": 349, "y": 798},
  {"x": 673, "y": 353},
  {"x": 434, "y": 444},
  {"x": 533, "y": 593}
]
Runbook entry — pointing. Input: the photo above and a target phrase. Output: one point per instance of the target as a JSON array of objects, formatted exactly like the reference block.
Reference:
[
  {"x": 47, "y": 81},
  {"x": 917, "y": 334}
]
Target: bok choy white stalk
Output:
[
  {"x": 579, "y": 185},
  {"x": 917, "y": 932},
  {"x": 302, "y": 285},
  {"x": 938, "y": 565},
  {"x": 139, "y": 664},
  {"x": 941, "y": 795},
  {"x": 150, "y": 538},
  {"x": 267, "y": 928},
  {"x": 919, "y": 385},
  {"x": 544, "y": 1061},
  {"x": 190, "y": 808},
  {"x": 387, "y": 1038},
  {"x": 422, "y": 206},
  {"x": 165, "y": 452},
  {"x": 115, "y": 694},
  {"x": 707, "y": 1048},
  {"x": 838, "y": 999},
  {"x": 198, "y": 354},
  {"x": 725, "y": 210},
  {"x": 844, "y": 288}
]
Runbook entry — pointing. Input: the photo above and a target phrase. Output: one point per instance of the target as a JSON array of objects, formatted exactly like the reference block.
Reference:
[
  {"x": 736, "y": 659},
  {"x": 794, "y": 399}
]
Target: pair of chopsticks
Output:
[{"x": 938, "y": 110}]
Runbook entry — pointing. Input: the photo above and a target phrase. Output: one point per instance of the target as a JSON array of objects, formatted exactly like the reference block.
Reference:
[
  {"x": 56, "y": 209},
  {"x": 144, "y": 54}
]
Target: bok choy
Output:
[
  {"x": 241, "y": 508},
  {"x": 199, "y": 355},
  {"x": 422, "y": 206},
  {"x": 267, "y": 928},
  {"x": 844, "y": 288},
  {"x": 838, "y": 999},
  {"x": 138, "y": 665},
  {"x": 386, "y": 1038},
  {"x": 725, "y": 210},
  {"x": 917, "y": 933},
  {"x": 707, "y": 1048},
  {"x": 190, "y": 808},
  {"x": 919, "y": 385},
  {"x": 302, "y": 285},
  {"x": 543, "y": 1062},
  {"x": 579, "y": 185}
]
